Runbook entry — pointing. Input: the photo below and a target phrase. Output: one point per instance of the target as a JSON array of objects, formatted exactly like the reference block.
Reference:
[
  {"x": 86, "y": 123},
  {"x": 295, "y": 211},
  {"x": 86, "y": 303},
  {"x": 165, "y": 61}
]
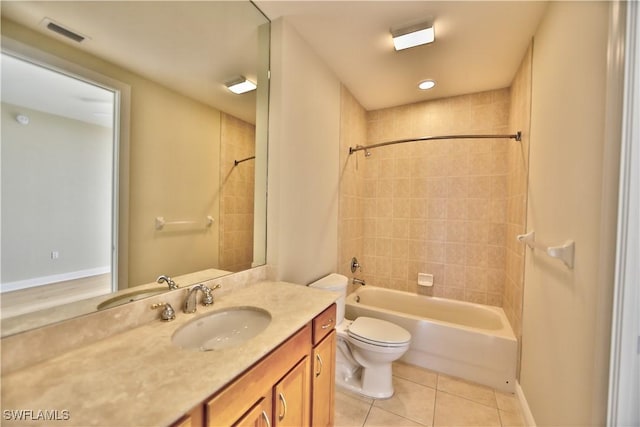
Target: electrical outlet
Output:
[{"x": 55, "y": 254}]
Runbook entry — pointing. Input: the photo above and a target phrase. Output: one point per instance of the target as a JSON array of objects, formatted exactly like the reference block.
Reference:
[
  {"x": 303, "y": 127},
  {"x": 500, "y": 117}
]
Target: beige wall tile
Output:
[{"x": 440, "y": 207}]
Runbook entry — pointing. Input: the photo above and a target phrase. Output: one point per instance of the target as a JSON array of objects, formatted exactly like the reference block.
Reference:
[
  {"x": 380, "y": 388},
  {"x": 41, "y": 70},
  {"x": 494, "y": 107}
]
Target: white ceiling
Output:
[
  {"x": 478, "y": 47},
  {"x": 31, "y": 86},
  {"x": 193, "y": 47}
]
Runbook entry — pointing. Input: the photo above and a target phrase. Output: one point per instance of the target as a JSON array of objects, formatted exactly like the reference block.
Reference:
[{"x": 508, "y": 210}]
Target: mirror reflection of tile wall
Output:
[{"x": 237, "y": 191}]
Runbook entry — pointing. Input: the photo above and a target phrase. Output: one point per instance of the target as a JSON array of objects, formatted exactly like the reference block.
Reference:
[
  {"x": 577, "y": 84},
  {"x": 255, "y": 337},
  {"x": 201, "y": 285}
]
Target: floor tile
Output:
[
  {"x": 508, "y": 402},
  {"x": 411, "y": 400},
  {"x": 475, "y": 392},
  {"x": 416, "y": 374},
  {"x": 350, "y": 410},
  {"x": 511, "y": 419},
  {"x": 451, "y": 411},
  {"x": 381, "y": 418}
]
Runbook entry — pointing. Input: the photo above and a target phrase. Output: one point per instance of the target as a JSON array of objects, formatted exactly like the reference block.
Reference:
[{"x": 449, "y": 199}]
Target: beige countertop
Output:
[
  {"x": 16, "y": 323},
  {"x": 139, "y": 378}
]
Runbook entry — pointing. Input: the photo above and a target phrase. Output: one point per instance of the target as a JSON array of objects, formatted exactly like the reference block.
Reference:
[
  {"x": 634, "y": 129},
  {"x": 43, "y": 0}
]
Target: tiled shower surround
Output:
[{"x": 450, "y": 208}]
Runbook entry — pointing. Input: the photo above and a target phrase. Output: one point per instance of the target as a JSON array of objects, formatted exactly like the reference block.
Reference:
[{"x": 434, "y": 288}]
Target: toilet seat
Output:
[{"x": 378, "y": 332}]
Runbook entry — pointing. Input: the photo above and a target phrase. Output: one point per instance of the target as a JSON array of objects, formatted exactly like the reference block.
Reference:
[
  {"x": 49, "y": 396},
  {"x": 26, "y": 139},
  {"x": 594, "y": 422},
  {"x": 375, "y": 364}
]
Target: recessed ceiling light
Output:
[
  {"x": 426, "y": 84},
  {"x": 414, "y": 35},
  {"x": 22, "y": 119},
  {"x": 240, "y": 85}
]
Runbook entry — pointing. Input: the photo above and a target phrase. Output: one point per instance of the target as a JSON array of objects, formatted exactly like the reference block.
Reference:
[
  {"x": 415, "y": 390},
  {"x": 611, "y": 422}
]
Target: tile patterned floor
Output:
[{"x": 426, "y": 398}]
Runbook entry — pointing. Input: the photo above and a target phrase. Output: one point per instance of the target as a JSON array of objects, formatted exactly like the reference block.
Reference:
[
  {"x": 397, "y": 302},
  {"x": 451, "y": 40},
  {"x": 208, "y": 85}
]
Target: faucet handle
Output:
[
  {"x": 355, "y": 265},
  {"x": 207, "y": 299},
  {"x": 168, "y": 313}
]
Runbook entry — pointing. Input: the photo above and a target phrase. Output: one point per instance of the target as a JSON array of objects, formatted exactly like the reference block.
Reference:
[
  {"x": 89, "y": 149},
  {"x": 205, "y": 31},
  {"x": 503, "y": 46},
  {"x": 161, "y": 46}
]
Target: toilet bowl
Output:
[{"x": 366, "y": 347}]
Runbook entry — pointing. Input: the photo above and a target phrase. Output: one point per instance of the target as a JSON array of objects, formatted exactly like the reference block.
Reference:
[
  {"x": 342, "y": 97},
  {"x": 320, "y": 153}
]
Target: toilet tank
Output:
[{"x": 336, "y": 283}]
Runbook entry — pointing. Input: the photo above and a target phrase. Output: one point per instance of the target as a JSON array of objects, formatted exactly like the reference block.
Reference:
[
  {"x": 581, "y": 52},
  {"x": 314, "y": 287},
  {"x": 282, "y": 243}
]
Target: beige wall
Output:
[
  {"x": 237, "y": 142},
  {"x": 566, "y": 317},
  {"x": 174, "y": 156},
  {"x": 438, "y": 207},
  {"x": 304, "y": 132},
  {"x": 517, "y": 173}
]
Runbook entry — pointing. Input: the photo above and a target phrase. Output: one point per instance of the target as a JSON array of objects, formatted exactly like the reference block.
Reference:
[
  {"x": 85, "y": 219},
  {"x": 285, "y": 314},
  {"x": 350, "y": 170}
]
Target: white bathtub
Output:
[{"x": 469, "y": 341}]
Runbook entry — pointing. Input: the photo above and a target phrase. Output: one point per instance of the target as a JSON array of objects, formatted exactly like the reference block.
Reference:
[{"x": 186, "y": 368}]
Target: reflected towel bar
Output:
[
  {"x": 161, "y": 223},
  {"x": 517, "y": 136}
]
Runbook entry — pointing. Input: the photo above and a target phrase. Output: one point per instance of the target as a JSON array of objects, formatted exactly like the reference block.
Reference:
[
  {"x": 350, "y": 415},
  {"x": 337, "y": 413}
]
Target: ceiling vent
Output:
[{"x": 61, "y": 30}]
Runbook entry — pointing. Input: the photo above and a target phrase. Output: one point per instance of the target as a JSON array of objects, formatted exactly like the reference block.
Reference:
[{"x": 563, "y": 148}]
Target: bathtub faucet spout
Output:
[{"x": 357, "y": 281}]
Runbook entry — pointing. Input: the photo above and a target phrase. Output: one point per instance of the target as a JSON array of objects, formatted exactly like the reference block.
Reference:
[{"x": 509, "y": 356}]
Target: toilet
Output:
[{"x": 366, "y": 347}]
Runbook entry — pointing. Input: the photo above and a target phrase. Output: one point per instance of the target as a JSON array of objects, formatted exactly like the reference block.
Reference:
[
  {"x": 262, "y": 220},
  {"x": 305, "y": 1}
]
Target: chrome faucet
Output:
[
  {"x": 356, "y": 281},
  {"x": 167, "y": 313},
  {"x": 190, "y": 303},
  {"x": 168, "y": 280}
]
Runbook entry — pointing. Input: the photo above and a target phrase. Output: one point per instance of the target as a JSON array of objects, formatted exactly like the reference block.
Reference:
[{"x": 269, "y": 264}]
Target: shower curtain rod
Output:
[{"x": 517, "y": 136}]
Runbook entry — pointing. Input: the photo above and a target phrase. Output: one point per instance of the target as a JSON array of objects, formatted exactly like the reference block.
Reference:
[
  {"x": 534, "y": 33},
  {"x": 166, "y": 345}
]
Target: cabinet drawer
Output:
[{"x": 324, "y": 323}]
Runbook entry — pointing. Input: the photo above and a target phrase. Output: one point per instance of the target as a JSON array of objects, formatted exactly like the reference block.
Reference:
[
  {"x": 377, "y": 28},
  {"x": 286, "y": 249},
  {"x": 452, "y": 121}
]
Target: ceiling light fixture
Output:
[
  {"x": 426, "y": 84},
  {"x": 414, "y": 35},
  {"x": 22, "y": 119},
  {"x": 240, "y": 85}
]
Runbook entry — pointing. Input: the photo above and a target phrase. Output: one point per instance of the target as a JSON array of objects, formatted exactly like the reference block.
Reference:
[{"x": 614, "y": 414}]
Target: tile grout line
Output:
[
  {"x": 368, "y": 412},
  {"x": 470, "y": 400},
  {"x": 435, "y": 402}
]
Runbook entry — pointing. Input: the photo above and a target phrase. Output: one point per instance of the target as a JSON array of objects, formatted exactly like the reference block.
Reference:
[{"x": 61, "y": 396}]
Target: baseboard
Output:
[
  {"x": 529, "y": 421},
  {"x": 54, "y": 278}
]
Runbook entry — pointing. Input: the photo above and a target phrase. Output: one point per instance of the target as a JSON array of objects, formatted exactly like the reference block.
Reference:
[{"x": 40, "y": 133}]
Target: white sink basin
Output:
[{"x": 222, "y": 329}]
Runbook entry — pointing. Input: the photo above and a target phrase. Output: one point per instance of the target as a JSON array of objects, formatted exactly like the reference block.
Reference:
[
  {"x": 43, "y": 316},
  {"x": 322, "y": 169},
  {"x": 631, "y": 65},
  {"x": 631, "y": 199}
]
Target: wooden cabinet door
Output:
[
  {"x": 292, "y": 397},
  {"x": 324, "y": 374},
  {"x": 228, "y": 405},
  {"x": 258, "y": 416},
  {"x": 195, "y": 418}
]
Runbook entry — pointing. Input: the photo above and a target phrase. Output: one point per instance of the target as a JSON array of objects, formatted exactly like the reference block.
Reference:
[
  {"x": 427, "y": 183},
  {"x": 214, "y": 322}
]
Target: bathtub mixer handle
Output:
[{"x": 355, "y": 265}]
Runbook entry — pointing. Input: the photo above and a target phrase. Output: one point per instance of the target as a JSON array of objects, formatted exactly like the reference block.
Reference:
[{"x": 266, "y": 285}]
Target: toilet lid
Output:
[{"x": 378, "y": 331}]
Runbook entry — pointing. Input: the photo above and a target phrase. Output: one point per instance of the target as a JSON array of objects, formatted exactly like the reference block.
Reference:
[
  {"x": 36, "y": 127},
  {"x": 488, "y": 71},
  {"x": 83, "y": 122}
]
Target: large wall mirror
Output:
[{"x": 125, "y": 153}]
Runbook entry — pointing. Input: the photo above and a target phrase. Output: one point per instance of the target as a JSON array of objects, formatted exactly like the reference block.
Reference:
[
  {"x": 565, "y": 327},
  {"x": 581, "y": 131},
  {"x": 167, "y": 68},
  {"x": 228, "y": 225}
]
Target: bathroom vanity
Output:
[
  {"x": 290, "y": 386},
  {"x": 282, "y": 376}
]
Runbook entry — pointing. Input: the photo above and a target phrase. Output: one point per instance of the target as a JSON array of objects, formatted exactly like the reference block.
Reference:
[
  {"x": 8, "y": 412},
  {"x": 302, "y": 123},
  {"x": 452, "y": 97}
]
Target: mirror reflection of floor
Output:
[{"x": 41, "y": 297}]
